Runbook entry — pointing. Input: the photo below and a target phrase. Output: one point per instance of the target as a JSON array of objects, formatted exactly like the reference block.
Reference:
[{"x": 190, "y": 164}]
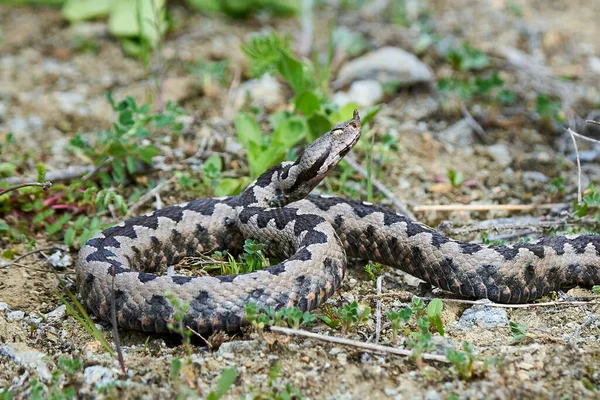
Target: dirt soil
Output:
[{"x": 50, "y": 89}]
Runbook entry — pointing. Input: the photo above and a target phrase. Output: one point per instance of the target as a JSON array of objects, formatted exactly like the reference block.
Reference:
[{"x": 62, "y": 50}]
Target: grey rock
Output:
[
  {"x": 459, "y": 134},
  {"x": 483, "y": 316},
  {"x": 16, "y": 315},
  {"x": 263, "y": 92},
  {"x": 4, "y": 306},
  {"x": 432, "y": 394},
  {"x": 23, "y": 355},
  {"x": 386, "y": 65},
  {"x": 500, "y": 154},
  {"x": 365, "y": 93},
  {"x": 58, "y": 259},
  {"x": 58, "y": 313},
  {"x": 71, "y": 103},
  {"x": 238, "y": 346},
  {"x": 99, "y": 376},
  {"x": 533, "y": 179}
]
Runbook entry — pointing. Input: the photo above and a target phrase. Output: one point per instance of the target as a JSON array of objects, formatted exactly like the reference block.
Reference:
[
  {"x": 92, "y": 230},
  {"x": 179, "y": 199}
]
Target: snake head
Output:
[{"x": 295, "y": 181}]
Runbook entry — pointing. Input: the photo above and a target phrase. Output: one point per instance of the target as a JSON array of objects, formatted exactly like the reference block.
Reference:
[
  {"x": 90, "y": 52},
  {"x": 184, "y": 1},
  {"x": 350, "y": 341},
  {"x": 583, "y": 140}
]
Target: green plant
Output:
[
  {"x": 455, "y": 177},
  {"x": 371, "y": 269},
  {"x": 462, "y": 360},
  {"x": 78, "y": 312},
  {"x": 225, "y": 382},
  {"x": 468, "y": 88},
  {"x": 241, "y": 9},
  {"x": 556, "y": 187},
  {"x": 352, "y": 314},
  {"x": 434, "y": 308},
  {"x": 590, "y": 205},
  {"x": 466, "y": 58},
  {"x": 520, "y": 334},
  {"x": 397, "y": 318},
  {"x": 62, "y": 384},
  {"x": 420, "y": 341},
  {"x": 210, "y": 73},
  {"x": 125, "y": 147},
  {"x": 179, "y": 310},
  {"x": 6, "y": 395},
  {"x": 313, "y": 113},
  {"x": 549, "y": 108},
  {"x": 596, "y": 289},
  {"x": 267, "y": 316}
]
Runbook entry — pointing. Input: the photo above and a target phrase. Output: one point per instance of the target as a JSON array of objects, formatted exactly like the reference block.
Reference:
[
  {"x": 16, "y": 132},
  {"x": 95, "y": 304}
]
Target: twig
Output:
[
  {"x": 475, "y": 125},
  {"x": 306, "y": 37},
  {"x": 400, "y": 207},
  {"x": 489, "y": 207},
  {"x": 589, "y": 121},
  {"x": 404, "y": 296},
  {"x": 355, "y": 343},
  {"x": 378, "y": 312},
  {"x": 148, "y": 196},
  {"x": 573, "y": 134},
  {"x": 96, "y": 169},
  {"x": 46, "y": 186},
  {"x": 60, "y": 175},
  {"x": 16, "y": 260}
]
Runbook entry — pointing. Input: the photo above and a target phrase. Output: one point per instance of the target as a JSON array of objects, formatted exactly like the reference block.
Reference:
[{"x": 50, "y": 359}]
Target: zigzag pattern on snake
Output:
[{"x": 315, "y": 234}]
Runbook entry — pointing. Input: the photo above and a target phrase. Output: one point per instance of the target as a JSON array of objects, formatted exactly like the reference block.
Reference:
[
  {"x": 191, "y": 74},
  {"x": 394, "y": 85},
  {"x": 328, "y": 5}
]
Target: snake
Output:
[{"x": 120, "y": 272}]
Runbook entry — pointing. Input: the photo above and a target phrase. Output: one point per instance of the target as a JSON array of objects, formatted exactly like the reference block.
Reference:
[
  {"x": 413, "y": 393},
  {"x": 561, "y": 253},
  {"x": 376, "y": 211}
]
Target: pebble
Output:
[
  {"x": 238, "y": 346},
  {"x": 533, "y": 179},
  {"x": 58, "y": 259},
  {"x": 482, "y": 316},
  {"x": 386, "y": 65},
  {"x": 352, "y": 282},
  {"x": 4, "y": 306},
  {"x": 460, "y": 134},
  {"x": 58, "y": 313},
  {"x": 98, "y": 375},
  {"x": 16, "y": 315},
  {"x": 21, "y": 126},
  {"x": 265, "y": 92},
  {"x": 365, "y": 93},
  {"x": 500, "y": 154}
]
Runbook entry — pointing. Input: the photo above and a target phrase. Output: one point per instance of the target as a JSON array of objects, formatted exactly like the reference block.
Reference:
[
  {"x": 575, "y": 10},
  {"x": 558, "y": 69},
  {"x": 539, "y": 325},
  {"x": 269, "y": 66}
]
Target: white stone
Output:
[{"x": 386, "y": 65}]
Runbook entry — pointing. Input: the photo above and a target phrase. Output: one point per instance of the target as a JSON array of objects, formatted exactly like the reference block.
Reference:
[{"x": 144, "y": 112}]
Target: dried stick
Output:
[
  {"x": 148, "y": 196},
  {"x": 46, "y": 186},
  {"x": 573, "y": 134},
  {"x": 97, "y": 168},
  {"x": 355, "y": 343},
  {"x": 589, "y": 121},
  {"x": 489, "y": 207},
  {"x": 378, "y": 313},
  {"x": 400, "y": 207},
  {"x": 35, "y": 251},
  {"x": 404, "y": 296}
]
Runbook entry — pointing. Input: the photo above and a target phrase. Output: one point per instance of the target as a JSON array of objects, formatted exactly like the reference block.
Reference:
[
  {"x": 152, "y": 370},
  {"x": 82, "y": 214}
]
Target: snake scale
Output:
[{"x": 314, "y": 234}]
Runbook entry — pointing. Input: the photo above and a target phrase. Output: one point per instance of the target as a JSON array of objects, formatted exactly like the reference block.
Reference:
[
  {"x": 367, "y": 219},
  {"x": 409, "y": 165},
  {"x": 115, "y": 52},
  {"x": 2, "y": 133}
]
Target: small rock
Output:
[
  {"x": 390, "y": 391},
  {"x": 365, "y": 93},
  {"x": 483, "y": 316},
  {"x": 238, "y": 346},
  {"x": 500, "y": 154},
  {"x": 58, "y": 313},
  {"x": 533, "y": 179},
  {"x": 71, "y": 103},
  {"x": 386, "y": 65},
  {"x": 432, "y": 394},
  {"x": 4, "y": 306},
  {"x": 264, "y": 92},
  {"x": 99, "y": 376},
  {"x": 57, "y": 259},
  {"x": 352, "y": 282},
  {"x": 595, "y": 64},
  {"x": 16, "y": 315},
  {"x": 460, "y": 134}
]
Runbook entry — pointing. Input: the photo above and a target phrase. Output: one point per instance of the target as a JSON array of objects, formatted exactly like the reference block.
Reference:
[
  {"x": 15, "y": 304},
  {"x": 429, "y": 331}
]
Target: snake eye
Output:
[{"x": 337, "y": 132}]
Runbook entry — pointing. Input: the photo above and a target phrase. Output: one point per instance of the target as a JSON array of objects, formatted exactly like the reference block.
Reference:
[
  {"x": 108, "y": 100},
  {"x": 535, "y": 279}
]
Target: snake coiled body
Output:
[{"x": 314, "y": 234}]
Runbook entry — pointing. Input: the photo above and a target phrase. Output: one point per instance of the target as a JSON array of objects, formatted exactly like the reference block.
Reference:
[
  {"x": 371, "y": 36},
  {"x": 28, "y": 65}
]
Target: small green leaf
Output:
[
  {"x": 307, "y": 103},
  {"x": 226, "y": 380},
  {"x": 247, "y": 130},
  {"x": 292, "y": 71}
]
